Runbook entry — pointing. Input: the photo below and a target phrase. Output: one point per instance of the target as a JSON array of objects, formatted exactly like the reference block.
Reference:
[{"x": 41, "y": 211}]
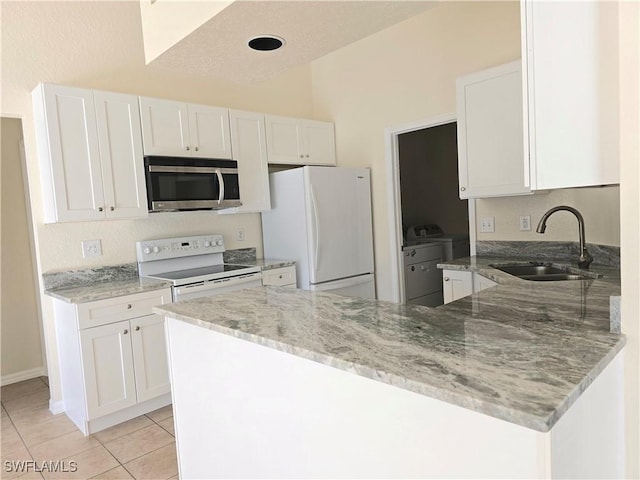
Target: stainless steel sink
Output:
[{"x": 542, "y": 273}]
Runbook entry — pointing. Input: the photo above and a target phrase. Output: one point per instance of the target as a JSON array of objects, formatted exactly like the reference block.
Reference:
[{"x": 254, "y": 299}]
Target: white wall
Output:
[
  {"x": 20, "y": 332},
  {"x": 404, "y": 74},
  {"x": 99, "y": 45},
  {"x": 600, "y": 207},
  {"x": 629, "y": 37}
]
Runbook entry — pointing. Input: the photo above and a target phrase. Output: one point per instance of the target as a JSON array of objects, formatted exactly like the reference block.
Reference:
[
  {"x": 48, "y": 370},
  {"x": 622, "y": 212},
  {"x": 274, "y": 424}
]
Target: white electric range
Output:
[{"x": 194, "y": 265}]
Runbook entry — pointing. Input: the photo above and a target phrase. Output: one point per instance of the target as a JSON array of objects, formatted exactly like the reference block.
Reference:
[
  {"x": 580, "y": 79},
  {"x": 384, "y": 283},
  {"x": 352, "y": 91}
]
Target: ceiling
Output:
[{"x": 311, "y": 29}]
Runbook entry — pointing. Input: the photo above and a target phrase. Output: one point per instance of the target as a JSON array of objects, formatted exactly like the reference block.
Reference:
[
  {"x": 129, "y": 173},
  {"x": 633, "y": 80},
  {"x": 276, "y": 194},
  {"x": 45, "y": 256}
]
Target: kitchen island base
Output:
[{"x": 246, "y": 410}]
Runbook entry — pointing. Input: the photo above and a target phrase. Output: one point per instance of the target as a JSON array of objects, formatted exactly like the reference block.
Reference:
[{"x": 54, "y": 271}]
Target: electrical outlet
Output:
[
  {"x": 91, "y": 248},
  {"x": 487, "y": 225},
  {"x": 240, "y": 235},
  {"x": 525, "y": 223}
]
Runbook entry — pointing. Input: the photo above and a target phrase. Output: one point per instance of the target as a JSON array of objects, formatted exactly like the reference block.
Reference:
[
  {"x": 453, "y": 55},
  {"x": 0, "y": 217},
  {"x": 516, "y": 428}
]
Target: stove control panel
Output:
[{"x": 166, "y": 248}]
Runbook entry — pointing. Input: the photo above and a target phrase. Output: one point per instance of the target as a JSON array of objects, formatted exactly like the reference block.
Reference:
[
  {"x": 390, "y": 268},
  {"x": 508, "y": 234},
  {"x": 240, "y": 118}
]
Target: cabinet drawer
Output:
[
  {"x": 279, "y": 276},
  {"x": 116, "y": 309}
]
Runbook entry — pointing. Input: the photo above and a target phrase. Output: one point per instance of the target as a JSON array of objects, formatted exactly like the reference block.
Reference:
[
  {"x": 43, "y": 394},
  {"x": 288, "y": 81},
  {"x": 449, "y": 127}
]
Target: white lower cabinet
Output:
[
  {"x": 280, "y": 277},
  {"x": 113, "y": 359},
  {"x": 458, "y": 284}
]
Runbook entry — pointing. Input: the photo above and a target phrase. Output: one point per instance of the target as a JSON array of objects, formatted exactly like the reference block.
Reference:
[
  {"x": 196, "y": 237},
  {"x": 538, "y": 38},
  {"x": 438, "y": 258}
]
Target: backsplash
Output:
[
  {"x": 239, "y": 255},
  {"x": 78, "y": 278},
  {"x": 602, "y": 254}
]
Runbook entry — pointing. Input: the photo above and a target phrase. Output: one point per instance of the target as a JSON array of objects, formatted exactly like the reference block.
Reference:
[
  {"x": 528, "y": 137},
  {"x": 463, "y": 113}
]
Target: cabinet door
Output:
[
  {"x": 250, "y": 151},
  {"x": 165, "y": 127},
  {"x": 280, "y": 277},
  {"x": 456, "y": 285},
  {"x": 120, "y": 139},
  {"x": 209, "y": 131},
  {"x": 284, "y": 140},
  {"x": 107, "y": 361},
  {"x": 74, "y": 154},
  {"x": 319, "y": 143},
  {"x": 572, "y": 90},
  {"x": 150, "y": 357},
  {"x": 490, "y": 133}
]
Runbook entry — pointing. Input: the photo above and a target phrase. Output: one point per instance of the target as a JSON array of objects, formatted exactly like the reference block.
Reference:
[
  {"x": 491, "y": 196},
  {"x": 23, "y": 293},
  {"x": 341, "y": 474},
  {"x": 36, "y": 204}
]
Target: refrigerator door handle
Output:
[{"x": 316, "y": 227}]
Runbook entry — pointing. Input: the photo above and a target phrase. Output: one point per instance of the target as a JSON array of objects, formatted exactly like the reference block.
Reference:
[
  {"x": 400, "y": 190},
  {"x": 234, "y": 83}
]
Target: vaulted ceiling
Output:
[{"x": 311, "y": 29}]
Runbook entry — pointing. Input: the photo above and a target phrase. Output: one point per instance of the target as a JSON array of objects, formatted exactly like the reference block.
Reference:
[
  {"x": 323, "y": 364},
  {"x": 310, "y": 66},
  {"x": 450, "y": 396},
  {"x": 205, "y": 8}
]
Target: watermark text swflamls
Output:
[{"x": 24, "y": 466}]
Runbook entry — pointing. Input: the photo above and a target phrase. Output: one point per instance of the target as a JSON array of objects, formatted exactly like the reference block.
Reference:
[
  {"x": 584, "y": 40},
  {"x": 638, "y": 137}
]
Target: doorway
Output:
[
  {"x": 22, "y": 352},
  {"x": 423, "y": 168}
]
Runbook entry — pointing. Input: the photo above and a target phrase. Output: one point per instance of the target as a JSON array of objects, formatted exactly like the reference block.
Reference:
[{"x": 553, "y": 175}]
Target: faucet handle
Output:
[{"x": 585, "y": 259}]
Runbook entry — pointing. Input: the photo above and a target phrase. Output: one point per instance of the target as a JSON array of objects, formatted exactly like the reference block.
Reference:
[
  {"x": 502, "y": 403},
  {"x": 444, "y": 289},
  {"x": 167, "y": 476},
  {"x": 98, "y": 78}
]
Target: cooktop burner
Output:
[{"x": 200, "y": 271}]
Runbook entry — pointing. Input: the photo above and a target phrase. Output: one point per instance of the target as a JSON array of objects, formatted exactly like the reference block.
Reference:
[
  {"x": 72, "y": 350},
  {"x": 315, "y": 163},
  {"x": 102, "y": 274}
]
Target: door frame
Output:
[{"x": 392, "y": 156}]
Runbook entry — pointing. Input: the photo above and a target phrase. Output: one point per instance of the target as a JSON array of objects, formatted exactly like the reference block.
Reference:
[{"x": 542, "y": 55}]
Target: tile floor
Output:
[{"x": 142, "y": 448}]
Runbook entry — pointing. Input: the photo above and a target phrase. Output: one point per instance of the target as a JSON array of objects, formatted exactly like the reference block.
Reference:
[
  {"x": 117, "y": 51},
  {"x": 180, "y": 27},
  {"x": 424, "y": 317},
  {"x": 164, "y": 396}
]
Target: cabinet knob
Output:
[
  {"x": 413, "y": 268},
  {"x": 301, "y": 155},
  {"x": 125, "y": 331},
  {"x": 462, "y": 189},
  {"x": 279, "y": 276},
  {"x": 129, "y": 306},
  {"x": 195, "y": 148},
  {"x": 100, "y": 209},
  {"x": 446, "y": 279},
  {"x": 112, "y": 208},
  {"x": 307, "y": 155},
  {"x": 138, "y": 328},
  {"x": 187, "y": 148}
]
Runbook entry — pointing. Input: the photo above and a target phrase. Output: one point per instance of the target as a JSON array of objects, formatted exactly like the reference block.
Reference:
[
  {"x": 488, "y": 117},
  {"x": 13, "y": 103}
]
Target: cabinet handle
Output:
[
  {"x": 446, "y": 279},
  {"x": 125, "y": 331},
  {"x": 100, "y": 209},
  {"x": 462, "y": 189},
  {"x": 413, "y": 253},
  {"x": 187, "y": 148},
  {"x": 112, "y": 208},
  {"x": 129, "y": 307},
  {"x": 195, "y": 148},
  {"x": 138, "y": 328}
]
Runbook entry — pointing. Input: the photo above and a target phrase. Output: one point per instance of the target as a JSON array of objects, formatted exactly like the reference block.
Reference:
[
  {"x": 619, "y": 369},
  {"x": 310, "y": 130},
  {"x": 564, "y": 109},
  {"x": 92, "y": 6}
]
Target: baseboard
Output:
[
  {"x": 56, "y": 406},
  {"x": 21, "y": 376}
]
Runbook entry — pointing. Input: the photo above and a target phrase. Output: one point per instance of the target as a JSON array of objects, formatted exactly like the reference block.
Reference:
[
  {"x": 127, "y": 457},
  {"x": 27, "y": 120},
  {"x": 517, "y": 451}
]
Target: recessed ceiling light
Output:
[{"x": 265, "y": 43}]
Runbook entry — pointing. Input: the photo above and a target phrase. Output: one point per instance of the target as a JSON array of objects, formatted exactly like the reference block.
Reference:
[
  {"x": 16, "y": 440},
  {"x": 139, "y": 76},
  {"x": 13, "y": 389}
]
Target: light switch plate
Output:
[
  {"x": 487, "y": 225},
  {"x": 91, "y": 248}
]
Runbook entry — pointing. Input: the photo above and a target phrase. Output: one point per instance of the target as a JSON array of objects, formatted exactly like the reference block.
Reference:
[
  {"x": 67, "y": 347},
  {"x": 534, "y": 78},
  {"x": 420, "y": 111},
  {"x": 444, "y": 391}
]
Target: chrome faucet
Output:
[{"x": 585, "y": 257}]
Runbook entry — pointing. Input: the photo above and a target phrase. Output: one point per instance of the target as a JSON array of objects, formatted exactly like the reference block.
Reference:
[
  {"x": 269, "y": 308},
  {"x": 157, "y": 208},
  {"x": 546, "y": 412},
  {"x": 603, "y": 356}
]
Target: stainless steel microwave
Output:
[{"x": 175, "y": 183}]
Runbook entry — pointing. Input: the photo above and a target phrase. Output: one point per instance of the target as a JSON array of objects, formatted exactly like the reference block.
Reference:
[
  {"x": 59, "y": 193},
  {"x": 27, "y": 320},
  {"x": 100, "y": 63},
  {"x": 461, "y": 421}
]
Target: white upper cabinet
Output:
[
  {"x": 184, "y": 130},
  {"x": 568, "y": 51},
  {"x": 490, "y": 133},
  {"x": 249, "y": 147},
  {"x": 299, "y": 141},
  {"x": 90, "y": 152},
  {"x": 120, "y": 141}
]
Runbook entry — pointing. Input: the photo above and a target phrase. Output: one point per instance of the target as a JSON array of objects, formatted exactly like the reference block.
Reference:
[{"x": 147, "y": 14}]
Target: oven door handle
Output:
[{"x": 221, "y": 182}]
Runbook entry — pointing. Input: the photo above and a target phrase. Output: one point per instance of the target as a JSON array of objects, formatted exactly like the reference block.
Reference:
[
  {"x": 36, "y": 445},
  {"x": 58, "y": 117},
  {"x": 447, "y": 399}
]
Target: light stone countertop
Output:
[
  {"x": 264, "y": 263},
  {"x": 519, "y": 351},
  {"x": 97, "y": 290}
]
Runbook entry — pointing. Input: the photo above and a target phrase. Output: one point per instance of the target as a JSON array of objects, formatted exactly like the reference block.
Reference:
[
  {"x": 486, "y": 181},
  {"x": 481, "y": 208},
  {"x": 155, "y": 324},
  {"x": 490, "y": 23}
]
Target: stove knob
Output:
[
  {"x": 156, "y": 249},
  {"x": 147, "y": 250},
  {"x": 206, "y": 244},
  {"x": 219, "y": 242}
]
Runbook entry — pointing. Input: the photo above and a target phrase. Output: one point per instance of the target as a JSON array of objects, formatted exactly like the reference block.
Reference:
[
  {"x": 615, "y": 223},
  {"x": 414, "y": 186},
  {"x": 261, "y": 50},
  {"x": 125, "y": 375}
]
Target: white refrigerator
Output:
[{"x": 321, "y": 218}]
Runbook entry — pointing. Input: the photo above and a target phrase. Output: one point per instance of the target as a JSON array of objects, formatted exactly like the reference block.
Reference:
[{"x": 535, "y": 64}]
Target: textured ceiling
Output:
[{"x": 311, "y": 29}]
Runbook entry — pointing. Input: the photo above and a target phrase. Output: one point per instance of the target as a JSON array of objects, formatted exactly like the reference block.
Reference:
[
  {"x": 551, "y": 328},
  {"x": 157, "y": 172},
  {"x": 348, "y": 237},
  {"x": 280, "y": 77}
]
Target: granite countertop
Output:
[
  {"x": 264, "y": 263},
  {"x": 98, "y": 283},
  {"x": 107, "y": 289},
  {"x": 520, "y": 351}
]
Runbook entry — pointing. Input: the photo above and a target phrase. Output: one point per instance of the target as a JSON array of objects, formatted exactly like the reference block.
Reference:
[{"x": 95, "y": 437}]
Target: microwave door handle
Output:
[{"x": 221, "y": 182}]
